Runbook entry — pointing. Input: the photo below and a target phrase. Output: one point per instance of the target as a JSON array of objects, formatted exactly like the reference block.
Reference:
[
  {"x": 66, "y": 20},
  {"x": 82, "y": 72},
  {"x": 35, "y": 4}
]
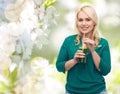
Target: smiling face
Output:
[
  {"x": 87, "y": 24},
  {"x": 84, "y": 23}
]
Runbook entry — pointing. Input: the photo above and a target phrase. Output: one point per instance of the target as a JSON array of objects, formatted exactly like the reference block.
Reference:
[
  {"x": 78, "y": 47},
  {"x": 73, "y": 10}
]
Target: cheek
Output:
[
  {"x": 78, "y": 25},
  {"x": 91, "y": 26}
]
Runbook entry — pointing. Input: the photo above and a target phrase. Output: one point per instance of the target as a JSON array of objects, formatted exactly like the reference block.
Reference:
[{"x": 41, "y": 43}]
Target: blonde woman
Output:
[{"x": 85, "y": 77}]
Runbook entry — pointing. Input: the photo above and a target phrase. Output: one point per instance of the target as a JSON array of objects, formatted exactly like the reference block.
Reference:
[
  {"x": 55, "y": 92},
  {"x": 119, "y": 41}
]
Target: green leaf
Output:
[
  {"x": 88, "y": 1},
  {"x": 14, "y": 53},
  {"x": 13, "y": 77},
  {"x": 4, "y": 87},
  {"x": 49, "y": 3}
]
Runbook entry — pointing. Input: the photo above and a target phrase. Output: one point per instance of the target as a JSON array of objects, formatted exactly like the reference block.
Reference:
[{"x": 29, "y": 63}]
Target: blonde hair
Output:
[{"x": 90, "y": 12}]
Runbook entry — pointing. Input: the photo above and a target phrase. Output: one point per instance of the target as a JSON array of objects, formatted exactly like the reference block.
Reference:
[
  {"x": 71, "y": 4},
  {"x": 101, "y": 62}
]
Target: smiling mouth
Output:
[{"x": 84, "y": 28}]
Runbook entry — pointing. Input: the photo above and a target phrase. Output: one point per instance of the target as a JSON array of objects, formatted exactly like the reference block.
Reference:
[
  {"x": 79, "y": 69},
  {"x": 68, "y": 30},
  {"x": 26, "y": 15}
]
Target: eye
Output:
[
  {"x": 88, "y": 19},
  {"x": 80, "y": 20}
]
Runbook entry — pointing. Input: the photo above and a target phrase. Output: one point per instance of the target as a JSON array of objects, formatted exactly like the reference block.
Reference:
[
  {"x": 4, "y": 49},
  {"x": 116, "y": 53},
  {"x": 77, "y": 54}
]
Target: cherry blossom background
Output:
[{"x": 25, "y": 24}]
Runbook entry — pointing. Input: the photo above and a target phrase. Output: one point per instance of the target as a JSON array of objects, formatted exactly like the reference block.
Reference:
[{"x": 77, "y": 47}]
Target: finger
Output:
[
  {"x": 81, "y": 56},
  {"x": 79, "y": 51}
]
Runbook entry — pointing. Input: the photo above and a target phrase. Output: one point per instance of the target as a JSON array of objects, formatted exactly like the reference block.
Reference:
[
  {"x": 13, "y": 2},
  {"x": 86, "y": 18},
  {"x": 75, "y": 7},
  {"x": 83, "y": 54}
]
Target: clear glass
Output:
[{"x": 83, "y": 60}]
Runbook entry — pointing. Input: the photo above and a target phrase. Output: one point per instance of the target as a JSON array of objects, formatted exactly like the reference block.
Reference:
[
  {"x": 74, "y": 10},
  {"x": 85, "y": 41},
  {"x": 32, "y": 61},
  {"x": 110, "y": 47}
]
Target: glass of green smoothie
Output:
[{"x": 84, "y": 49}]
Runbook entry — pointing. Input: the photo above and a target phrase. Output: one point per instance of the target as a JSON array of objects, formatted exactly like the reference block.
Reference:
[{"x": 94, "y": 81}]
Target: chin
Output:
[{"x": 85, "y": 32}]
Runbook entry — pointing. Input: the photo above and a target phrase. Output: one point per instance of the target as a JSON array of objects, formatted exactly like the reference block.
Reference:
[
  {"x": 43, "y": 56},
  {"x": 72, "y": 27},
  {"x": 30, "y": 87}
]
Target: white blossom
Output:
[
  {"x": 39, "y": 63},
  {"x": 28, "y": 22},
  {"x": 12, "y": 12},
  {"x": 15, "y": 29}
]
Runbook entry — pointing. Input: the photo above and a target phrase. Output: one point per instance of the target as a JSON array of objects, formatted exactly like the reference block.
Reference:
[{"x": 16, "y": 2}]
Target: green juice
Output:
[{"x": 83, "y": 60}]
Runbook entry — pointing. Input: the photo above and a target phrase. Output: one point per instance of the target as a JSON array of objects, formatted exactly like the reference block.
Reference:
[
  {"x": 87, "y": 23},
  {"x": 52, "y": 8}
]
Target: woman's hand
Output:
[
  {"x": 79, "y": 54},
  {"x": 70, "y": 63},
  {"x": 90, "y": 44}
]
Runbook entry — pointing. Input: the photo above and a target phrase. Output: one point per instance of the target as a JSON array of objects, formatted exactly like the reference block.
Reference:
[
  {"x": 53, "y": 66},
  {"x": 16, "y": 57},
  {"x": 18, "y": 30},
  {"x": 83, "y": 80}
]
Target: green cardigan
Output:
[{"x": 84, "y": 78}]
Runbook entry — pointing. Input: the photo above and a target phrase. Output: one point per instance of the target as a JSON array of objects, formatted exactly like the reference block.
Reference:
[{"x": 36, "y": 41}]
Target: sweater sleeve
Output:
[
  {"x": 105, "y": 61},
  {"x": 62, "y": 58}
]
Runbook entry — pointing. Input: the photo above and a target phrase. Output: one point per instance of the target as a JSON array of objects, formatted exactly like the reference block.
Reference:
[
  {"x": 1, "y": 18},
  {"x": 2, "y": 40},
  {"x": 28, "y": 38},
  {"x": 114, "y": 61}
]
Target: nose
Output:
[{"x": 84, "y": 23}]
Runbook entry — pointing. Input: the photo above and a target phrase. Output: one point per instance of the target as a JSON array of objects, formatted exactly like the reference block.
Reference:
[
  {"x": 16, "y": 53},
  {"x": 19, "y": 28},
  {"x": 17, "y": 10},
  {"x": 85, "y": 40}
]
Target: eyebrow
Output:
[{"x": 85, "y": 18}]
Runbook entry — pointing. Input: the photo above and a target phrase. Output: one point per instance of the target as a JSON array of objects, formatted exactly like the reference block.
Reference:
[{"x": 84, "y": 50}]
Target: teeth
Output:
[{"x": 84, "y": 28}]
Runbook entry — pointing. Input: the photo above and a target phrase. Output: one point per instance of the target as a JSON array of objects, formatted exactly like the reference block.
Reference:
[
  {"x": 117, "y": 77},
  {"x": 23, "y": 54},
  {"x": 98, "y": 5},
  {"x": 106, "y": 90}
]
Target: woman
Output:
[{"x": 87, "y": 77}]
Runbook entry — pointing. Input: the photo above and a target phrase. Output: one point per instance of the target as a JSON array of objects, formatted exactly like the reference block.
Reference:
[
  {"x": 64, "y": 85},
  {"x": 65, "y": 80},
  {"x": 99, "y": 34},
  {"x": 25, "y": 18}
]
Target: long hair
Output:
[{"x": 90, "y": 12}]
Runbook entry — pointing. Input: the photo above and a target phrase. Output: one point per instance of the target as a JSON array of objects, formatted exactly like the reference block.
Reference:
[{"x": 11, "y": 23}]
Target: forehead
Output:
[{"x": 82, "y": 14}]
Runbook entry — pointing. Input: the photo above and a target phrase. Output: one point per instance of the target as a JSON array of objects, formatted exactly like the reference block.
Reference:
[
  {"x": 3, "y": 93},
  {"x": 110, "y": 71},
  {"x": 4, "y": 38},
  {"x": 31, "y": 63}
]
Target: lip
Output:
[{"x": 84, "y": 28}]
